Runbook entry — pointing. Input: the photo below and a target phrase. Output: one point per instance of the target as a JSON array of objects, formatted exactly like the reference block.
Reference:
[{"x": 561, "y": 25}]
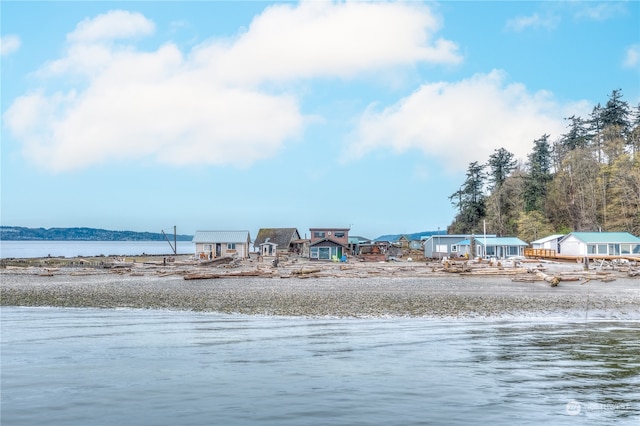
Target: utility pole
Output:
[{"x": 173, "y": 246}]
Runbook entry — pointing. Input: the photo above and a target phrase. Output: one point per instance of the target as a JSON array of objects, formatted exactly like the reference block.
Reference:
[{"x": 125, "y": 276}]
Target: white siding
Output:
[
  {"x": 573, "y": 247},
  {"x": 547, "y": 245},
  {"x": 241, "y": 250}
]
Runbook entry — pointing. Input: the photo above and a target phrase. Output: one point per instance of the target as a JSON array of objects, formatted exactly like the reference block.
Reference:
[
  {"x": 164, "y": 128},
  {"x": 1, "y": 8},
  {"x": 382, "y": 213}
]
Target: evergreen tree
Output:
[
  {"x": 470, "y": 200},
  {"x": 578, "y": 135},
  {"x": 501, "y": 164},
  {"x": 616, "y": 112},
  {"x": 539, "y": 174}
]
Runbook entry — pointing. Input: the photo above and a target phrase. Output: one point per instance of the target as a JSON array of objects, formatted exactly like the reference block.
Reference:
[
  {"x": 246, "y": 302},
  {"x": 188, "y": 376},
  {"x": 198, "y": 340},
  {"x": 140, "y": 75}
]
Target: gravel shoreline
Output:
[{"x": 437, "y": 296}]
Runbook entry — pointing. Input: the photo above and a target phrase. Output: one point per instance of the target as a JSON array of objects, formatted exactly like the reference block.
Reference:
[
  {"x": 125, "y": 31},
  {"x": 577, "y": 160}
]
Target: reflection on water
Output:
[{"x": 90, "y": 366}]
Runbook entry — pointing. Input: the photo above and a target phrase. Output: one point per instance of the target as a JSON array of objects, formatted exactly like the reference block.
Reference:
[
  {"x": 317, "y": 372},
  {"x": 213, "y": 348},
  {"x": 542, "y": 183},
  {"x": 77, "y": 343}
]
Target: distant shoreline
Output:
[{"x": 20, "y": 233}]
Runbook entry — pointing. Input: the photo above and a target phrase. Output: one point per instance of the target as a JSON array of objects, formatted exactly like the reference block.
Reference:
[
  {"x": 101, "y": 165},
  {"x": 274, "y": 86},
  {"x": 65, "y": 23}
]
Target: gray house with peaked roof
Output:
[
  {"x": 445, "y": 245},
  {"x": 498, "y": 247},
  {"x": 283, "y": 240},
  {"x": 213, "y": 244}
]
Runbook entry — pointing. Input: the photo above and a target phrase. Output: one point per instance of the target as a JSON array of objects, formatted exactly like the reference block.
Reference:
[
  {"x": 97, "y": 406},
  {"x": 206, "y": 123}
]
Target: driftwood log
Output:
[
  {"x": 553, "y": 280},
  {"x": 306, "y": 271},
  {"x": 207, "y": 276},
  {"x": 217, "y": 261}
]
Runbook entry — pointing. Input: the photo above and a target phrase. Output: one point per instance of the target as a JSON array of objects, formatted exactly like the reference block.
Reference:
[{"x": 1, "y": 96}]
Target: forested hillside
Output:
[
  {"x": 81, "y": 234},
  {"x": 586, "y": 180}
]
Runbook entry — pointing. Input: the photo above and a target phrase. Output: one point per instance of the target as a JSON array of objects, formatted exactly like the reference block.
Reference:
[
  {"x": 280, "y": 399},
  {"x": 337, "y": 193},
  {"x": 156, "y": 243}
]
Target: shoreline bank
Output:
[{"x": 438, "y": 296}]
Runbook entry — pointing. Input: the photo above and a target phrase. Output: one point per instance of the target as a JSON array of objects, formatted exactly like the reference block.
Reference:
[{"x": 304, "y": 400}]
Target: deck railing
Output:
[{"x": 531, "y": 252}]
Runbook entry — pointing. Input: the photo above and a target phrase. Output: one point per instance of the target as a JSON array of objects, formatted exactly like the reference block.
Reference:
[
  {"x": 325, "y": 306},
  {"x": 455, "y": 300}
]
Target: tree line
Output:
[
  {"x": 588, "y": 179},
  {"x": 19, "y": 233}
]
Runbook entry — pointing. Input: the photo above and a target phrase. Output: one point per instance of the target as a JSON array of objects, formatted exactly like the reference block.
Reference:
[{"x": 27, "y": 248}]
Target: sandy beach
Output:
[{"x": 351, "y": 290}]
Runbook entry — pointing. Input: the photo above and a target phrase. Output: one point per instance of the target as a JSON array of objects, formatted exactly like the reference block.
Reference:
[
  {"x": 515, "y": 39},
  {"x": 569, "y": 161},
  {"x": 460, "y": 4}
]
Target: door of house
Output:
[
  {"x": 324, "y": 253},
  {"x": 218, "y": 249}
]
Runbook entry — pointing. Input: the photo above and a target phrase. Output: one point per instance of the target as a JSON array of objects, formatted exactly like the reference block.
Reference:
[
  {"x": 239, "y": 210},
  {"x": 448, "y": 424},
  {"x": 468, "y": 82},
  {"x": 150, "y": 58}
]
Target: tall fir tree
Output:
[
  {"x": 501, "y": 163},
  {"x": 539, "y": 174},
  {"x": 616, "y": 112},
  {"x": 470, "y": 200}
]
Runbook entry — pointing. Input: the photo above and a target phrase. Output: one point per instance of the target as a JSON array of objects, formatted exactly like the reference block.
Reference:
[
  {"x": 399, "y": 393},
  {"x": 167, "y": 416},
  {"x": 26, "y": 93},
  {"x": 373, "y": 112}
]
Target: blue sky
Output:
[{"x": 242, "y": 115}]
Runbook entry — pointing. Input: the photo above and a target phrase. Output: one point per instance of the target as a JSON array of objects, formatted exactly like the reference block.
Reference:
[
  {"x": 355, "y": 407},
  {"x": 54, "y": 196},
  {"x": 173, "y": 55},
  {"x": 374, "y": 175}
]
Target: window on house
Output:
[
  {"x": 318, "y": 234},
  {"x": 339, "y": 234},
  {"x": 602, "y": 249},
  {"x": 454, "y": 248},
  {"x": 231, "y": 246},
  {"x": 591, "y": 249},
  {"x": 625, "y": 248}
]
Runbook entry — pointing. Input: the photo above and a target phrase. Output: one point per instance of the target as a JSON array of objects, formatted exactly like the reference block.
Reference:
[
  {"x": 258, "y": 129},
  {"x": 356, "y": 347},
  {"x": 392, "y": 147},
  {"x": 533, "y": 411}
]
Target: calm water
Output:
[
  {"x": 28, "y": 249},
  {"x": 145, "y": 367}
]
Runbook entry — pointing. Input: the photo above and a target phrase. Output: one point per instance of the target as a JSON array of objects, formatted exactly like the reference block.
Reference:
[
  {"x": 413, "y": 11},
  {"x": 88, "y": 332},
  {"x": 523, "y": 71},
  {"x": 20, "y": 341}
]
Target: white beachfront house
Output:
[
  {"x": 498, "y": 247},
  {"x": 213, "y": 244},
  {"x": 600, "y": 243}
]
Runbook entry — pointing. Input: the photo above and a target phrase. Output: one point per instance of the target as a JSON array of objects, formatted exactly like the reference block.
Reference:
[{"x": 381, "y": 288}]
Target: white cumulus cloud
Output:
[
  {"x": 323, "y": 39},
  {"x": 534, "y": 21},
  {"x": 214, "y": 104},
  {"x": 461, "y": 122},
  {"x": 116, "y": 24},
  {"x": 9, "y": 44}
]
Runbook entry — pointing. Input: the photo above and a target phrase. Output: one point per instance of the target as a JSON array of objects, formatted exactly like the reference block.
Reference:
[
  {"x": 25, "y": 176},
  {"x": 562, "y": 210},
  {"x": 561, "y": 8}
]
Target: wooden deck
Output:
[{"x": 552, "y": 255}]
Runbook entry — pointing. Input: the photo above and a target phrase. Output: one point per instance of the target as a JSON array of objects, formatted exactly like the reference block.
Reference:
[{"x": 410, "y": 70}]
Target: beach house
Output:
[
  {"x": 277, "y": 241},
  {"x": 438, "y": 246},
  {"x": 328, "y": 243},
  {"x": 594, "y": 244},
  {"x": 488, "y": 247},
  {"x": 214, "y": 244}
]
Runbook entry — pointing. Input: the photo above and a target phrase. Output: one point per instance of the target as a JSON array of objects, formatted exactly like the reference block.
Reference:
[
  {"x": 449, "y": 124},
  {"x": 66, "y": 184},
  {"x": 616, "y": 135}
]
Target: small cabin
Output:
[{"x": 213, "y": 244}]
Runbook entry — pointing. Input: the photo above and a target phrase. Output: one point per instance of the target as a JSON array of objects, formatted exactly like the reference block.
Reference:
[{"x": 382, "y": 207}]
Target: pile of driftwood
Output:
[
  {"x": 483, "y": 268},
  {"x": 479, "y": 268},
  {"x": 239, "y": 274},
  {"x": 585, "y": 277}
]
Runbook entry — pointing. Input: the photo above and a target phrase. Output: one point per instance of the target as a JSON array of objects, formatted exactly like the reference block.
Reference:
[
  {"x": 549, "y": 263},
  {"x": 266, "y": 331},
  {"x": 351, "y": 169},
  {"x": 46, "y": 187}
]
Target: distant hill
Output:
[
  {"x": 416, "y": 236},
  {"x": 18, "y": 233}
]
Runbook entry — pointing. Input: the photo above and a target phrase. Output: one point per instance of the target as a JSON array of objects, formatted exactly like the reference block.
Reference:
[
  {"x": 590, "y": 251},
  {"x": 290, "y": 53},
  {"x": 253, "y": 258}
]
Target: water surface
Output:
[{"x": 150, "y": 367}]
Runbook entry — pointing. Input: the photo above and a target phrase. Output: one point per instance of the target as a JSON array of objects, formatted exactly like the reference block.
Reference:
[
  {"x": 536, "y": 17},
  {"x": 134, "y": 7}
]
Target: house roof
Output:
[
  {"x": 221, "y": 237},
  {"x": 547, "y": 239},
  {"x": 280, "y": 236},
  {"x": 326, "y": 242},
  {"x": 604, "y": 237},
  {"x": 495, "y": 241},
  {"x": 356, "y": 239},
  {"x": 457, "y": 237}
]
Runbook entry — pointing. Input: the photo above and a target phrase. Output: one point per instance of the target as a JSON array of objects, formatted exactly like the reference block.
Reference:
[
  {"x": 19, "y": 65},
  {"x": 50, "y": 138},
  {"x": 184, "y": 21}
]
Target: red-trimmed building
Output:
[{"x": 328, "y": 243}]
